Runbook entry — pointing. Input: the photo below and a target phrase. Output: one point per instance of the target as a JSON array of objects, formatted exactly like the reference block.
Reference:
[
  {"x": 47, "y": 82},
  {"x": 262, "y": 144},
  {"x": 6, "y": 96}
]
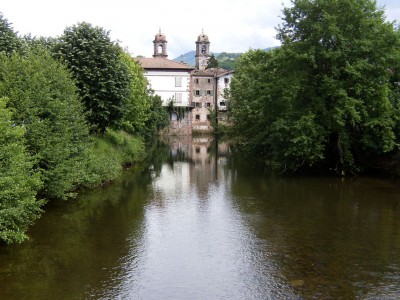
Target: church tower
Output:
[
  {"x": 160, "y": 45},
  {"x": 202, "y": 51}
]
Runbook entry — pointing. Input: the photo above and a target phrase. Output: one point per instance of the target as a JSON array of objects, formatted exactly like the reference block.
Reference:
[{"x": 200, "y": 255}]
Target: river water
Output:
[{"x": 203, "y": 224}]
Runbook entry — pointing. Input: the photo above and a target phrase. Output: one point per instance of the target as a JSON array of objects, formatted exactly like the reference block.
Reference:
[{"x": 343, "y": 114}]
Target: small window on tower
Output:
[
  {"x": 203, "y": 49},
  {"x": 209, "y": 80}
]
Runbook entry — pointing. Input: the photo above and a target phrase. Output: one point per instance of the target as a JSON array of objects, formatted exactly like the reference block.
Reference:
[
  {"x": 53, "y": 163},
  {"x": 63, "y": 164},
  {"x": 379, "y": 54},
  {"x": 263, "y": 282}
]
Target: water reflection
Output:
[{"x": 202, "y": 224}]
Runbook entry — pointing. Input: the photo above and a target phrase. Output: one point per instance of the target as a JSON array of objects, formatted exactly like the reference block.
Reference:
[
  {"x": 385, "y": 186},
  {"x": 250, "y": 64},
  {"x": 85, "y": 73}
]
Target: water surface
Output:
[{"x": 201, "y": 224}]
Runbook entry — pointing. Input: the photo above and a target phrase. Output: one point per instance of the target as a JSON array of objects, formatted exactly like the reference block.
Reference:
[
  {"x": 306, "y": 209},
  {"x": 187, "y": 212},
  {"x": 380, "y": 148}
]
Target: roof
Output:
[
  {"x": 211, "y": 72},
  {"x": 203, "y": 38},
  {"x": 162, "y": 63},
  {"x": 160, "y": 37}
]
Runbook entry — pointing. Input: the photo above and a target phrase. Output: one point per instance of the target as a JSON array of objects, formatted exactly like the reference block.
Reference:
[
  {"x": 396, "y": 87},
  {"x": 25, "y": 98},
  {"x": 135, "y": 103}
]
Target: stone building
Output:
[{"x": 200, "y": 91}]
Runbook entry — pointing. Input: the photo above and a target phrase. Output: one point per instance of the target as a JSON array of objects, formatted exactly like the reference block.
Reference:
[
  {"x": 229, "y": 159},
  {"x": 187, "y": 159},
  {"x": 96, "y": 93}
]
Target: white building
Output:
[
  {"x": 224, "y": 81},
  {"x": 169, "y": 79}
]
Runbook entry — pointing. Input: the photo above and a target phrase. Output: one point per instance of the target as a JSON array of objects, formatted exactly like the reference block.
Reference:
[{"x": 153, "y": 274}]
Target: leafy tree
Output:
[
  {"x": 102, "y": 79},
  {"x": 159, "y": 116},
  {"x": 18, "y": 182},
  {"x": 332, "y": 81},
  {"x": 136, "y": 108},
  {"x": 227, "y": 60},
  {"x": 45, "y": 102},
  {"x": 212, "y": 62},
  {"x": 9, "y": 41}
]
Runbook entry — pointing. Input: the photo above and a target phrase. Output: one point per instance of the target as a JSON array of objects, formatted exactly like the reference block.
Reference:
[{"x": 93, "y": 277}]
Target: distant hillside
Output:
[
  {"x": 188, "y": 58},
  {"x": 226, "y": 60}
]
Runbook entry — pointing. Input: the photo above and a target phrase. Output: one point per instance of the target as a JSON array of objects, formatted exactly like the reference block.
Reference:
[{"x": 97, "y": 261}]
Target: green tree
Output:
[
  {"x": 212, "y": 62},
  {"x": 19, "y": 183},
  {"x": 103, "y": 80},
  {"x": 9, "y": 41},
  {"x": 227, "y": 60},
  {"x": 159, "y": 116},
  {"x": 136, "y": 108},
  {"x": 45, "y": 102},
  {"x": 333, "y": 77}
]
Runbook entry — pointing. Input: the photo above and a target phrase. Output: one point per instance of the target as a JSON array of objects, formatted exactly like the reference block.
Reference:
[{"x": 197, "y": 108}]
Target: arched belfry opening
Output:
[{"x": 160, "y": 45}]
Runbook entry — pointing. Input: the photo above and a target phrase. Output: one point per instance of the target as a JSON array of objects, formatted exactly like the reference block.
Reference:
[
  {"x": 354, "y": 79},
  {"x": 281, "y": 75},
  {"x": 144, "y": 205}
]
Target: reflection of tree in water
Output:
[
  {"x": 157, "y": 154},
  {"x": 330, "y": 238},
  {"x": 77, "y": 245}
]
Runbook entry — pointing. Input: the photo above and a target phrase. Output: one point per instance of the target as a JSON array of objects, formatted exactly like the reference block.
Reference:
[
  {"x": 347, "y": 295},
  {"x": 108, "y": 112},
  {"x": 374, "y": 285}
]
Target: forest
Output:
[{"x": 73, "y": 111}]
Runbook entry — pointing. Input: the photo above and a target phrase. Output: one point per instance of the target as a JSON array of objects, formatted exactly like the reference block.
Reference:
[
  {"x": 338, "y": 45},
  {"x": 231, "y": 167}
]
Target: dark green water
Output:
[{"x": 199, "y": 226}]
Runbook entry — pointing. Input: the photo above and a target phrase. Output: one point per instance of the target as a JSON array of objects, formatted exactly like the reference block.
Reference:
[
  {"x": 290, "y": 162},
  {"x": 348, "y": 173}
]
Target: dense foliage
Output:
[
  {"x": 328, "y": 95},
  {"x": 18, "y": 182},
  {"x": 102, "y": 79},
  {"x": 46, "y": 149},
  {"x": 227, "y": 60},
  {"x": 9, "y": 41},
  {"x": 45, "y": 102},
  {"x": 212, "y": 62}
]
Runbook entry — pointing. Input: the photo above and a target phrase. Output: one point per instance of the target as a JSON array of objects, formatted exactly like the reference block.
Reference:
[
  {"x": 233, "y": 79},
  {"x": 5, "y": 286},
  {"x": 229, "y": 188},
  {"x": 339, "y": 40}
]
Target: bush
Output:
[
  {"x": 18, "y": 182},
  {"x": 44, "y": 99},
  {"x": 107, "y": 154}
]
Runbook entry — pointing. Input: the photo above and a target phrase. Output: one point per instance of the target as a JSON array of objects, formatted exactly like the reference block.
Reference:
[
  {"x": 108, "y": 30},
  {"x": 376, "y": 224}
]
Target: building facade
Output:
[{"x": 199, "y": 90}]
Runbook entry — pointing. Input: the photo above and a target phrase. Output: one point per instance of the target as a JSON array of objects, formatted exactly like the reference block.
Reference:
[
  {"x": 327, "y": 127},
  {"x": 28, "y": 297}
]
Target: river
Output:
[{"x": 204, "y": 224}]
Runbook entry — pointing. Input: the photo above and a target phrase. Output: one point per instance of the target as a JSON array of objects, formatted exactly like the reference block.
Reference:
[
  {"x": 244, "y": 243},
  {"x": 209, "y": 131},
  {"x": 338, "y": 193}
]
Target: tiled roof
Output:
[
  {"x": 162, "y": 63},
  {"x": 211, "y": 72}
]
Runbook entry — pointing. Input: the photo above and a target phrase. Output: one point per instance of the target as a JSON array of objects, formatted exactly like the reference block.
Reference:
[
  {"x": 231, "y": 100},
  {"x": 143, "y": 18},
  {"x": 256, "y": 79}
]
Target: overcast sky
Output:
[{"x": 232, "y": 25}]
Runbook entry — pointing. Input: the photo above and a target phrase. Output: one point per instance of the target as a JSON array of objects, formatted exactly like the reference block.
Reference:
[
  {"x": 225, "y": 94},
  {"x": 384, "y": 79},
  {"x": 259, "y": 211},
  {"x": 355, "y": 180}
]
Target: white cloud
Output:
[{"x": 232, "y": 25}]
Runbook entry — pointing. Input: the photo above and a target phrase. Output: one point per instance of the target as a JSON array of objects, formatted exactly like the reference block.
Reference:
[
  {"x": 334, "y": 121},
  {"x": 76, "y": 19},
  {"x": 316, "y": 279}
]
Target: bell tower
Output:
[
  {"x": 160, "y": 45},
  {"x": 202, "y": 51}
]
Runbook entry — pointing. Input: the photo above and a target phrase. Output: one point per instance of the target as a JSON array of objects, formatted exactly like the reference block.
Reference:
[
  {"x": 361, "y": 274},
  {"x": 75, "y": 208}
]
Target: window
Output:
[
  {"x": 208, "y": 92},
  {"x": 208, "y": 117},
  {"x": 208, "y": 104},
  {"x": 197, "y": 92},
  {"x": 198, "y": 117},
  {"x": 222, "y": 103},
  {"x": 208, "y": 80},
  {"x": 198, "y": 104},
  {"x": 196, "y": 81},
  {"x": 178, "y": 97},
  {"x": 197, "y": 149},
  {"x": 226, "y": 80},
  {"x": 178, "y": 81}
]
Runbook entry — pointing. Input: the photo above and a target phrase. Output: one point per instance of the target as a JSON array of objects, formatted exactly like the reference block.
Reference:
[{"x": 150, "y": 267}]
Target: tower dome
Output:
[
  {"x": 160, "y": 37},
  {"x": 202, "y": 38}
]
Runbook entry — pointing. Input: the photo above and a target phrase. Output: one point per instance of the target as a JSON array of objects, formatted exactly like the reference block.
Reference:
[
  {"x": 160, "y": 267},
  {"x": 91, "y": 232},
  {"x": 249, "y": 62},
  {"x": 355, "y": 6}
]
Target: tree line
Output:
[
  {"x": 73, "y": 110},
  {"x": 329, "y": 97}
]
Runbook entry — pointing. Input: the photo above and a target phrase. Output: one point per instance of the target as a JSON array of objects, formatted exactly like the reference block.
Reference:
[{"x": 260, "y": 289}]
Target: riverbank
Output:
[{"x": 26, "y": 186}]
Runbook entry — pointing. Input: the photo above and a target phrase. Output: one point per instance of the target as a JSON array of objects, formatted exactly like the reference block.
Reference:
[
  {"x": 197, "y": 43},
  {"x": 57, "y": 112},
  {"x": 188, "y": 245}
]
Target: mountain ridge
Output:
[{"x": 190, "y": 59}]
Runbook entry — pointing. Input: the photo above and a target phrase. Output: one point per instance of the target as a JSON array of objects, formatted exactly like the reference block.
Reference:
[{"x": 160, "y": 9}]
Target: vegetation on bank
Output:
[
  {"x": 73, "y": 111},
  {"x": 329, "y": 97}
]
